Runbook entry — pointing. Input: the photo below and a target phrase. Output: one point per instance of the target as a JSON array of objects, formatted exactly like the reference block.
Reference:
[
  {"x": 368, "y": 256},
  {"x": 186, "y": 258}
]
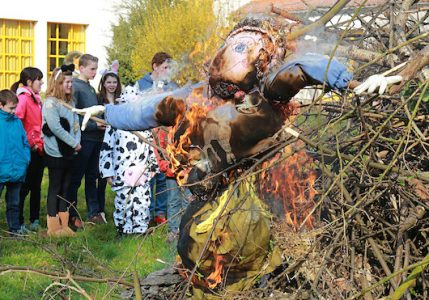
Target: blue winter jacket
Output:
[{"x": 14, "y": 149}]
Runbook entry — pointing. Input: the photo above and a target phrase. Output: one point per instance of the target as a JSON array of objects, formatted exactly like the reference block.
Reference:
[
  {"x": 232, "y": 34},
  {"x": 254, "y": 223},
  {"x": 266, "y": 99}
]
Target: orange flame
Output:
[
  {"x": 215, "y": 277},
  {"x": 290, "y": 186},
  {"x": 179, "y": 151}
]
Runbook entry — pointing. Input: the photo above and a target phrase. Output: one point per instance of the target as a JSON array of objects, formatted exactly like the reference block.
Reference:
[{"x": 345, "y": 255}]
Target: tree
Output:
[{"x": 187, "y": 30}]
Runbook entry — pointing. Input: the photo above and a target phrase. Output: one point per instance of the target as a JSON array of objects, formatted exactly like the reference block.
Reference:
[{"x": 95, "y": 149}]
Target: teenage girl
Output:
[
  {"x": 62, "y": 141},
  {"x": 29, "y": 110}
]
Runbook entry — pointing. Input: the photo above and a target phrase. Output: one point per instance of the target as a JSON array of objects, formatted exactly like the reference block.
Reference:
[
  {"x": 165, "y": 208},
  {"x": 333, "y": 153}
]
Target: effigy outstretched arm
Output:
[
  {"x": 309, "y": 69},
  {"x": 149, "y": 111},
  {"x": 132, "y": 116}
]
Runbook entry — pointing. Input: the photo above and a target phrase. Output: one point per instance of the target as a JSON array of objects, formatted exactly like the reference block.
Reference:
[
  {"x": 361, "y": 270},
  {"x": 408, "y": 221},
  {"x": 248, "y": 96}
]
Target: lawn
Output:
[{"x": 95, "y": 252}]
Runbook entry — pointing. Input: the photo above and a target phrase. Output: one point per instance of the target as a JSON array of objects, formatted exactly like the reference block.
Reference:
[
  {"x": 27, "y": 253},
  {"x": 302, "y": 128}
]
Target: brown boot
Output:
[
  {"x": 64, "y": 220},
  {"x": 54, "y": 226}
]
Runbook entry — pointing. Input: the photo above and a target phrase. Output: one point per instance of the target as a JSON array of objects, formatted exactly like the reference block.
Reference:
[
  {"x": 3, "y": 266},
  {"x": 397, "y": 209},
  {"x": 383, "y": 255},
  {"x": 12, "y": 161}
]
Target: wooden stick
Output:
[{"x": 57, "y": 275}]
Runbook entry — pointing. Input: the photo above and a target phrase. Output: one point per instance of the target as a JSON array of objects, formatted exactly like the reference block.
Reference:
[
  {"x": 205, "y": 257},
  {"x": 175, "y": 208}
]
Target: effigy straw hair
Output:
[
  {"x": 272, "y": 38},
  {"x": 277, "y": 28},
  {"x": 85, "y": 59}
]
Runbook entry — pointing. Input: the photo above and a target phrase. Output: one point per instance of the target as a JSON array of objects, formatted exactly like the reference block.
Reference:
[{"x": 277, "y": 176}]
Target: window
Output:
[
  {"x": 16, "y": 49},
  {"x": 63, "y": 38}
]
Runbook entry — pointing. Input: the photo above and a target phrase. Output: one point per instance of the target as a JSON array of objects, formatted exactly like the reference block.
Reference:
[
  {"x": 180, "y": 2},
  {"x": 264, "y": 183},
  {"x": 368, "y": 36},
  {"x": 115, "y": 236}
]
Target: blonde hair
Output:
[
  {"x": 55, "y": 85},
  {"x": 85, "y": 59}
]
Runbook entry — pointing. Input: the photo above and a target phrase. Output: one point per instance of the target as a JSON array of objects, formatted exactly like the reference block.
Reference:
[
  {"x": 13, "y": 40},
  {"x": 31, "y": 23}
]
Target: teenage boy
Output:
[
  {"x": 86, "y": 163},
  {"x": 14, "y": 157},
  {"x": 159, "y": 80},
  {"x": 160, "y": 77}
]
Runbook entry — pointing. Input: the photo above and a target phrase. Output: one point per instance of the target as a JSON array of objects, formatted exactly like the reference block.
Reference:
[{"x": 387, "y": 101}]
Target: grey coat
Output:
[{"x": 52, "y": 111}]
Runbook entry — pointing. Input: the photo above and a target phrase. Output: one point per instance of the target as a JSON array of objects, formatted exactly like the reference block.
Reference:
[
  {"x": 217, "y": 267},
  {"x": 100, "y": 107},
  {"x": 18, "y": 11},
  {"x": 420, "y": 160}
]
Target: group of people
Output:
[{"x": 36, "y": 134}]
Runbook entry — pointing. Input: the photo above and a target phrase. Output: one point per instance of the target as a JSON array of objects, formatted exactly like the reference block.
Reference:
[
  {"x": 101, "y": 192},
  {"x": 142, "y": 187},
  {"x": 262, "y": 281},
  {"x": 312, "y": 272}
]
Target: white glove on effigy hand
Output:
[
  {"x": 89, "y": 112},
  {"x": 377, "y": 81}
]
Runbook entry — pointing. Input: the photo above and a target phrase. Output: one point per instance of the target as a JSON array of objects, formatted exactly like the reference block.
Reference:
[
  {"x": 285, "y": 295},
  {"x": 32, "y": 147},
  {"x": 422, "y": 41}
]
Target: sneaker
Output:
[
  {"x": 75, "y": 223},
  {"x": 160, "y": 219},
  {"x": 35, "y": 226},
  {"x": 21, "y": 231},
  {"x": 97, "y": 219},
  {"x": 103, "y": 216},
  {"x": 24, "y": 230}
]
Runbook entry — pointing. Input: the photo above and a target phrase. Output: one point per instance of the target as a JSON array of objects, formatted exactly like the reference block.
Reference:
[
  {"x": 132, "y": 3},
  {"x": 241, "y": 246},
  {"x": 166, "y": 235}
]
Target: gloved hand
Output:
[
  {"x": 163, "y": 165},
  {"x": 135, "y": 176},
  {"x": 89, "y": 112},
  {"x": 377, "y": 81}
]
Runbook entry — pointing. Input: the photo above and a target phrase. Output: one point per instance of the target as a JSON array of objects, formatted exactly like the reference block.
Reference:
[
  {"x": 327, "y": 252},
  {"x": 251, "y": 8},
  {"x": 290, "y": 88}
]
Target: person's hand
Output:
[
  {"x": 34, "y": 148},
  {"x": 109, "y": 180},
  {"x": 78, "y": 147},
  {"x": 101, "y": 126},
  {"x": 377, "y": 81},
  {"x": 89, "y": 112},
  {"x": 163, "y": 165}
]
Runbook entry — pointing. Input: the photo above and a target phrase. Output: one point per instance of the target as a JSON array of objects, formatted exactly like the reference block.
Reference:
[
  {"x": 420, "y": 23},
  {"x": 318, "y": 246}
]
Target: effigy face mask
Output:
[{"x": 235, "y": 66}]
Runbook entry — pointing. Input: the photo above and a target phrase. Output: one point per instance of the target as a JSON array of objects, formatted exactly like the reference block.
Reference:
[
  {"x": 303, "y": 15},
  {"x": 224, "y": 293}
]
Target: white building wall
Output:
[{"x": 98, "y": 15}]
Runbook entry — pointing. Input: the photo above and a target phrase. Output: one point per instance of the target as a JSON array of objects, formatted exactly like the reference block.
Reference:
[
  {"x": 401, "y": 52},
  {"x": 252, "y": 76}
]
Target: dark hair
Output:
[
  {"x": 8, "y": 96},
  {"x": 102, "y": 93},
  {"x": 28, "y": 73},
  {"x": 159, "y": 58},
  {"x": 86, "y": 58}
]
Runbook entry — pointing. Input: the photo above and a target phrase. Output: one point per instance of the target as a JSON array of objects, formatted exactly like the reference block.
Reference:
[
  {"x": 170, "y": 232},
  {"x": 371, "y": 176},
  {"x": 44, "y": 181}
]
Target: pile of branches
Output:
[
  {"x": 371, "y": 238},
  {"x": 371, "y": 153}
]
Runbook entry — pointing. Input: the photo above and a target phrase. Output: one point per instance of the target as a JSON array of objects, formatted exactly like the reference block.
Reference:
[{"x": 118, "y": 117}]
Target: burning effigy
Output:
[{"x": 225, "y": 134}]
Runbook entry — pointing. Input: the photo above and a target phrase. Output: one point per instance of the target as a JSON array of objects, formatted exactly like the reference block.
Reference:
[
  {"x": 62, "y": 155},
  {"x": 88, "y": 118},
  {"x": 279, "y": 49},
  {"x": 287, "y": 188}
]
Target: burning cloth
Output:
[{"x": 240, "y": 247}]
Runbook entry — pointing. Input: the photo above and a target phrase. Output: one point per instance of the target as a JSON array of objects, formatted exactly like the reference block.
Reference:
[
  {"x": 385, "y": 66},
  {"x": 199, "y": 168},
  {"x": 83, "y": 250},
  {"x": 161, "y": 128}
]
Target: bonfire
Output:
[{"x": 346, "y": 194}]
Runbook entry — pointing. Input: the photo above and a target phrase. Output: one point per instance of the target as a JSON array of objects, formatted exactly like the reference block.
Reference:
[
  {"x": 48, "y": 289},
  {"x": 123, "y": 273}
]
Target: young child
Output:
[
  {"x": 14, "y": 157},
  {"x": 128, "y": 164},
  {"x": 178, "y": 197},
  {"x": 87, "y": 160},
  {"x": 62, "y": 139},
  {"x": 29, "y": 110}
]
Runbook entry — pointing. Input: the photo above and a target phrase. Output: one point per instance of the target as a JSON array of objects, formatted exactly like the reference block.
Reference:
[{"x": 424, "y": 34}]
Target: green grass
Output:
[{"x": 95, "y": 252}]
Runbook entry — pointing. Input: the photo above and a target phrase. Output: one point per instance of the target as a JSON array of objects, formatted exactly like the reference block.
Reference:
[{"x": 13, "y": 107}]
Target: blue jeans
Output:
[
  {"x": 12, "y": 204},
  {"x": 86, "y": 163},
  {"x": 178, "y": 199},
  {"x": 158, "y": 202}
]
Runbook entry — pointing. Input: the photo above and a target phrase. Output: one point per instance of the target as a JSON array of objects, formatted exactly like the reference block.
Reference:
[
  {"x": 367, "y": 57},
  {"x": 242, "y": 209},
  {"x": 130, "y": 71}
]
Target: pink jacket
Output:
[{"x": 29, "y": 110}]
